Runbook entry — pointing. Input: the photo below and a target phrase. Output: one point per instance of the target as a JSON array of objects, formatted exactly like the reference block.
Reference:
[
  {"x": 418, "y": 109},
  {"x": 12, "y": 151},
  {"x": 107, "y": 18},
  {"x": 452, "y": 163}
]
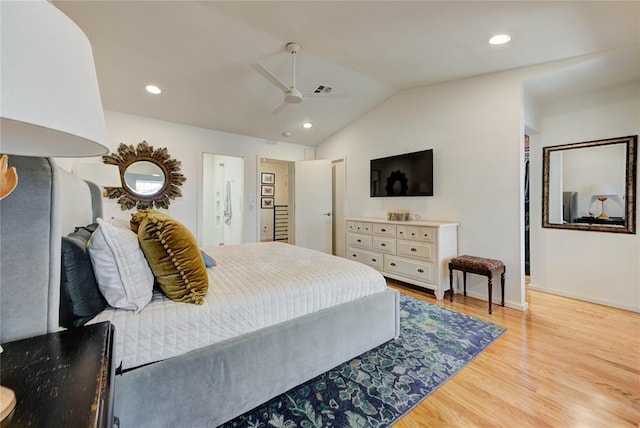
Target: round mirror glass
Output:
[{"x": 144, "y": 178}]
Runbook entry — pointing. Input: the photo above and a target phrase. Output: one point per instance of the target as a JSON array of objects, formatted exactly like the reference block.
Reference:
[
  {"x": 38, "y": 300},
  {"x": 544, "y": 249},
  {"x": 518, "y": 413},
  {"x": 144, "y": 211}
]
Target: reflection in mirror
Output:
[
  {"x": 144, "y": 178},
  {"x": 590, "y": 185}
]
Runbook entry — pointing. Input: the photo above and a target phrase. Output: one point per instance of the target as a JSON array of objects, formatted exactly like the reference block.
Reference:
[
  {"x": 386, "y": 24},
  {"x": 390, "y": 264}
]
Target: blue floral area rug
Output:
[{"x": 381, "y": 385}]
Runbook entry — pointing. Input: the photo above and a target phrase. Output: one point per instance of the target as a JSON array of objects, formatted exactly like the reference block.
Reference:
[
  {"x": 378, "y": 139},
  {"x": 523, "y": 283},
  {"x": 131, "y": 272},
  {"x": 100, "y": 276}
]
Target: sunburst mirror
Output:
[{"x": 149, "y": 177}]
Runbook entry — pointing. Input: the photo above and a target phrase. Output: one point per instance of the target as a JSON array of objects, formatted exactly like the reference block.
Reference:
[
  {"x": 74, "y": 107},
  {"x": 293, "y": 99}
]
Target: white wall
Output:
[
  {"x": 186, "y": 144},
  {"x": 476, "y": 129},
  {"x": 594, "y": 266}
]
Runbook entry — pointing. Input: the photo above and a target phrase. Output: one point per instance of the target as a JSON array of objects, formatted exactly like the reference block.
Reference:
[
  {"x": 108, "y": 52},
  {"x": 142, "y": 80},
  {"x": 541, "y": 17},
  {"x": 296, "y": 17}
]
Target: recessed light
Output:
[
  {"x": 307, "y": 125},
  {"x": 499, "y": 39},
  {"x": 286, "y": 134},
  {"x": 153, "y": 89}
]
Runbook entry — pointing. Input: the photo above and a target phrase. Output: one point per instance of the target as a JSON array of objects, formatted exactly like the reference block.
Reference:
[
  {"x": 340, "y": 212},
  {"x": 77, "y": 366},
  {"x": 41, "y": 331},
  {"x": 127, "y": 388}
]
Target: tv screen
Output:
[{"x": 409, "y": 174}]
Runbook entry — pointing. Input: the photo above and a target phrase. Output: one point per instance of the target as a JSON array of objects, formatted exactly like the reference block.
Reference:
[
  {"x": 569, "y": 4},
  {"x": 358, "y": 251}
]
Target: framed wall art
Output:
[
  {"x": 268, "y": 178},
  {"x": 266, "y": 203},
  {"x": 267, "y": 190}
]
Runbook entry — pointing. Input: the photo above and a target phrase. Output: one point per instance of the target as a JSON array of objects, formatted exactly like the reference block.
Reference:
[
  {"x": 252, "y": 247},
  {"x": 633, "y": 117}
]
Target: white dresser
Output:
[{"x": 417, "y": 252}]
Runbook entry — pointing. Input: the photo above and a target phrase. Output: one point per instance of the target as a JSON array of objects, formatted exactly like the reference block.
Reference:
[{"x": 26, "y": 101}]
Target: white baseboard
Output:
[{"x": 632, "y": 308}]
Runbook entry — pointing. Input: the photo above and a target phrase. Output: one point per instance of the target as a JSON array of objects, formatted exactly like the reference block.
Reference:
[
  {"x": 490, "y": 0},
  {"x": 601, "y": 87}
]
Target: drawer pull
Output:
[
  {"x": 359, "y": 240},
  {"x": 374, "y": 260},
  {"x": 414, "y": 250},
  {"x": 413, "y": 234},
  {"x": 354, "y": 255},
  {"x": 382, "y": 244},
  {"x": 392, "y": 264},
  {"x": 420, "y": 270},
  {"x": 383, "y": 230}
]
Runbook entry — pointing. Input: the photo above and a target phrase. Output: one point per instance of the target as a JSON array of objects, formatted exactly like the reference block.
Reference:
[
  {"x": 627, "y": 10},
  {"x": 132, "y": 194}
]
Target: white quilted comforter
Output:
[{"x": 253, "y": 286}]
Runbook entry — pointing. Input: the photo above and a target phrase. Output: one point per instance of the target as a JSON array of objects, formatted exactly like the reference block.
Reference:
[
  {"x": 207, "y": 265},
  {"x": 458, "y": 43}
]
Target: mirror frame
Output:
[
  {"x": 630, "y": 185},
  {"x": 128, "y": 155}
]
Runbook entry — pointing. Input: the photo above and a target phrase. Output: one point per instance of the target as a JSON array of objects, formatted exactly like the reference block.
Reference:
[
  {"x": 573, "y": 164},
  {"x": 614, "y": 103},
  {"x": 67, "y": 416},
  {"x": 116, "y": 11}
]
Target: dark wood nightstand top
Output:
[{"x": 61, "y": 379}]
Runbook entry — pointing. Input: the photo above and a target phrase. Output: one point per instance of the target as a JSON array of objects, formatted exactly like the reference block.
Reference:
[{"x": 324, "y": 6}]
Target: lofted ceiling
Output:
[{"x": 200, "y": 54}]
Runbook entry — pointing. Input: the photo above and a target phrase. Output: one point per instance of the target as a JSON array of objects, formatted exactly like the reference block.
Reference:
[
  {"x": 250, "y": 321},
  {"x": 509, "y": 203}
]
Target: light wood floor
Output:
[{"x": 563, "y": 363}]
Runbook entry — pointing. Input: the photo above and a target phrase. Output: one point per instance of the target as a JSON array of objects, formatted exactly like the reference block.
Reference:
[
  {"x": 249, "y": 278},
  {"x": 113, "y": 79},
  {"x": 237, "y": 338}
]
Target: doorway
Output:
[
  {"x": 222, "y": 199},
  {"x": 276, "y": 215}
]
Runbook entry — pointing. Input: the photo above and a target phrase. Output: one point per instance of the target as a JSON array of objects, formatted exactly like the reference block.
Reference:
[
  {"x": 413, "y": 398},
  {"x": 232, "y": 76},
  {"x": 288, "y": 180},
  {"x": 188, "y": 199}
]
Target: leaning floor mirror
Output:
[{"x": 591, "y": 185}]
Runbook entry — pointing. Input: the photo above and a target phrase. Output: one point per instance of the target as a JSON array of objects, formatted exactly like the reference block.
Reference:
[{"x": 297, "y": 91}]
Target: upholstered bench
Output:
[{"x": 479, "y": 266}]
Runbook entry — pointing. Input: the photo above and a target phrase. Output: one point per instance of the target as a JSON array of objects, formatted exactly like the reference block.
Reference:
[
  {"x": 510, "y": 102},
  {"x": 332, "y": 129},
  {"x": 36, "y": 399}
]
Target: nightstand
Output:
[{"x": 61, "y": 379}]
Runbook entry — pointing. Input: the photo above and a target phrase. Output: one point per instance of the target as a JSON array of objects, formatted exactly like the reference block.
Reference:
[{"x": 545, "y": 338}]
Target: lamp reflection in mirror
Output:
[
  {"x": 50, "y": 99},
  {"x": 602, "y": 192}
]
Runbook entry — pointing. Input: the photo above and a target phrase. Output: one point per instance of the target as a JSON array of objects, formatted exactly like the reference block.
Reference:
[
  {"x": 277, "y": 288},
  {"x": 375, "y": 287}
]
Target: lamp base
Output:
[
  {"x": 602, "y": 215},
  {"x": 7, "y": 402}
]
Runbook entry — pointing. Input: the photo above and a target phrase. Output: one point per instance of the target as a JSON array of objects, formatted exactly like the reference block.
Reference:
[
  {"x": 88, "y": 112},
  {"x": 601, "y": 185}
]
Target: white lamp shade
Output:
[
  {"x": 603, "y": 190},
  {"x": 50, "y": 101},
  {"x": 103, "y": 175}
]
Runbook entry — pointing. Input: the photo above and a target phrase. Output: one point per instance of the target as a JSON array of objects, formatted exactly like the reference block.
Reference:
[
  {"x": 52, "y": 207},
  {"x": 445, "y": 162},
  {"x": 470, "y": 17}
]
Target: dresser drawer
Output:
[
  {"x": 384, "y": 230},
  {"x": 408, "y": 232},
  {"x": 359, "y": 227},
  {"x": 359, "y": 240},
  {"x": 420, "y": 250},
  {"x": 385, "y": 245},
  {"x": 375, "y": 260},
  {"x": 422, "y": 271},
  {"x": 428, "y": 234}
]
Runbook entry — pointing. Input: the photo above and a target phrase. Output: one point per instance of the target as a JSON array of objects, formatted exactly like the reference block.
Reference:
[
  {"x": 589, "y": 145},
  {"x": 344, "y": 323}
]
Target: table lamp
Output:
[
  {"x": 602, "y": 192},
  {"x": 50, "y": 101}
]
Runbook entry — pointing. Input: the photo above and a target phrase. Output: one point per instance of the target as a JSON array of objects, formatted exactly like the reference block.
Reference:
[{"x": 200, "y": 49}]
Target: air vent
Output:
[{"x": 322, "y": 89}]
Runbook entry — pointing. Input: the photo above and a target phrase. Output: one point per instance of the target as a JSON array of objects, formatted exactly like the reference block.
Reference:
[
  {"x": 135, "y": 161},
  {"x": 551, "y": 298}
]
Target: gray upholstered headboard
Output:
[{"x": 47, "y": 204}]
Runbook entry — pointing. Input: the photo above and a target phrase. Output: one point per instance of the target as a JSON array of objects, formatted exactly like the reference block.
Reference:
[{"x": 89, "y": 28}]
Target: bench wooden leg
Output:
[
  {"x": 450, "y": 284},
  {"x": 490, "y": 290},
  {"x": 502, "y": 287},
  {"x": 464, "y": 280}
]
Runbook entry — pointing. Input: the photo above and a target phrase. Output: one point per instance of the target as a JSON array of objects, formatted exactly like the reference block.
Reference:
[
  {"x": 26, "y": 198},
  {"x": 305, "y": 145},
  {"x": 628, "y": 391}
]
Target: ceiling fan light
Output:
[
  {"x": 293, "y": 96},
  {"x": 153, "y": 89},
  {"x": 499, "y": 39}
]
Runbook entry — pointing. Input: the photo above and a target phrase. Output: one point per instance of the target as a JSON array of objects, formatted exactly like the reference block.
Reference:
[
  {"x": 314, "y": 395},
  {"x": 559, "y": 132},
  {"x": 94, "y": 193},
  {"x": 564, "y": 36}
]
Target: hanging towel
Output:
[{"x": 227, "y": 204}]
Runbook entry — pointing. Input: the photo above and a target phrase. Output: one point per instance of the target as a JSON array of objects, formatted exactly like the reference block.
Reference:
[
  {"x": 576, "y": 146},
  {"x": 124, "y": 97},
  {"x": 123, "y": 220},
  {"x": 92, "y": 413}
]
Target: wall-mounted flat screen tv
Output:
[{"x": 409, "y": 174}]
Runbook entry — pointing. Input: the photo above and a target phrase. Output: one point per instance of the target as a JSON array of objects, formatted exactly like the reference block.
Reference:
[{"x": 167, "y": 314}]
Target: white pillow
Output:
[{"x": 120, "y": 268}]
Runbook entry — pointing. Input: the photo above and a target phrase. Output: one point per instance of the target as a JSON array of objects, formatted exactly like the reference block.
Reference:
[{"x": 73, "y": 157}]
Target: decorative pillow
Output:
[
  {"x": 122, "y": 272},
  {"x": 208, "y": 260},
  {"x": 80, "y": 297},
  {"x": 174, "y": 256}
]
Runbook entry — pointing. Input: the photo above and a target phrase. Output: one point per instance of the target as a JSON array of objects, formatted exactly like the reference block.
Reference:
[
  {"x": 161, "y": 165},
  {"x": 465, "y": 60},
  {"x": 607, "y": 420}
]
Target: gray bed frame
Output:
[{"x": 202, "y": 388}]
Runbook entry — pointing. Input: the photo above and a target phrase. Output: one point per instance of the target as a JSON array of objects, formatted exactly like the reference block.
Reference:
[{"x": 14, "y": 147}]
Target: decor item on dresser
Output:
[
  {"x": 398, "y": 215},
  {"x": 416, "y": 252},
  {"x": 603, "y": 169},
  {"x": 149, "y": 177}
]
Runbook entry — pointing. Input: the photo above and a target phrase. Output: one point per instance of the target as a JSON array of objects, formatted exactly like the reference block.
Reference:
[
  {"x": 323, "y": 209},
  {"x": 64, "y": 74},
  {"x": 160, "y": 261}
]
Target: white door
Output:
[{"x": 313, "y": 205}]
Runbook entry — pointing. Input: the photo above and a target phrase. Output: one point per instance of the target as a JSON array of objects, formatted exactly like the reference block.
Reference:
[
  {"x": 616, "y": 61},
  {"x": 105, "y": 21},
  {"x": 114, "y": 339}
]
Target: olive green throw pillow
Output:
[{"x": 173, "y": 255}]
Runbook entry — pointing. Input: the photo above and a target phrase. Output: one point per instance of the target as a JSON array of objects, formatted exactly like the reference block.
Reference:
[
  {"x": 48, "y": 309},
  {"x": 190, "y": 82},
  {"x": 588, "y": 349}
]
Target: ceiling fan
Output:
[{"x": 292, "y": 95}]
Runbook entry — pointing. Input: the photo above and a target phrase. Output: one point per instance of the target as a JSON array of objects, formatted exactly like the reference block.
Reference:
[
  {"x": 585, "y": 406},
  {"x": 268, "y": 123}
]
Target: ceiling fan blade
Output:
[
  {"x": 269, "y": 76},
  {"x": 279, "y": 108}
]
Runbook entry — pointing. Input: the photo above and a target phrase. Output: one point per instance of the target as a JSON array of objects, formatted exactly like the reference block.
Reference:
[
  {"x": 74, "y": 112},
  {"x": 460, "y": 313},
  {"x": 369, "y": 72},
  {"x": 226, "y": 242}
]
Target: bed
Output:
[{"x": 249, "y": 356}]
